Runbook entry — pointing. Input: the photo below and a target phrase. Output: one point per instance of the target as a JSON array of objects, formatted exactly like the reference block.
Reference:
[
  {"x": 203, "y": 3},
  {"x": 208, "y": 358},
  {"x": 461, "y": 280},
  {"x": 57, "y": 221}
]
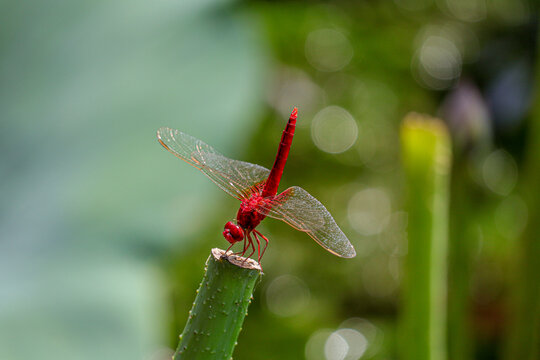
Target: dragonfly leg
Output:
[
  {"x": 250, "y": 242},
  {"x": 258, "y": 246},
  {"x": 265, "y": 239},
  {"x": 229, "y": 248},
  {"x": 246, "y": 245},
  {"x": 244, "y": 249}
]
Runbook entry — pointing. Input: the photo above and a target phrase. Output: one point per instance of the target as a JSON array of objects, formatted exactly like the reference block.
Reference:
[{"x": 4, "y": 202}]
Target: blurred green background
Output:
[{"x": 104, "y": 234}]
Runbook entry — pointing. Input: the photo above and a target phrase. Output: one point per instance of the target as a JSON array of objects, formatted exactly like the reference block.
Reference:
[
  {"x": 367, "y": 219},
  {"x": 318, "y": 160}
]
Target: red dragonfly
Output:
[{"x": 256, "y": 187}]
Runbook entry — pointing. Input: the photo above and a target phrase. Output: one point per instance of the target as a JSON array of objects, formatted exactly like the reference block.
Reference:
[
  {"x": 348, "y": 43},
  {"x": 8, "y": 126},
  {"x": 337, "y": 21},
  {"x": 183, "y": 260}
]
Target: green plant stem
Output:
[
  {"x": 426, "y": 157},
  {"x": 219, "y": 308},
  {"x": 459, "y": 263}
]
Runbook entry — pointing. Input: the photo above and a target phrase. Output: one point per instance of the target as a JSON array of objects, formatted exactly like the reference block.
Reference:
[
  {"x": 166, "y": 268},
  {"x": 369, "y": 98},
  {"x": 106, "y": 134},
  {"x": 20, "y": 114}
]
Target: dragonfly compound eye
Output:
[{"x": 233, "y": 233}]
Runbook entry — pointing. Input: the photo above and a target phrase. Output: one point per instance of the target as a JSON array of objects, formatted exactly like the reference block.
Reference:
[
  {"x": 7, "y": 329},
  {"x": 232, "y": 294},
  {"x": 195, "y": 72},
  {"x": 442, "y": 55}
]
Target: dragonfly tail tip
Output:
[{"x": 294, "y": 113}]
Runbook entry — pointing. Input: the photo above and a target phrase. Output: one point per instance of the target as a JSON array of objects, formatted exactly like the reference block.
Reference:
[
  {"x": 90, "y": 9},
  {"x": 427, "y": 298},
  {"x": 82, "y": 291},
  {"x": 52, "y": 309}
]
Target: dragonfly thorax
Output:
[{"x": 248, "y": 217}]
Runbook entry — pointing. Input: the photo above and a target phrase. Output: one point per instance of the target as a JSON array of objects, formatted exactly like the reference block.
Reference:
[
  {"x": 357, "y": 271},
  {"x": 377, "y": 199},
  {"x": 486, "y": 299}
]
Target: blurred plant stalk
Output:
[
  {"x": 426, "y": 157},
  {"x": 219, "y": 309},
  {"x": 460, "y": 343},
  {"x": 466, "y": 112}
]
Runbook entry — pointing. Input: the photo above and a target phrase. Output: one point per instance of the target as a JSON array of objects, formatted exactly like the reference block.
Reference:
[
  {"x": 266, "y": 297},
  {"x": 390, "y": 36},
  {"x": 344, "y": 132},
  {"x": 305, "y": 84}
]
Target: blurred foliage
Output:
[
  {"x": 104, "y": 234},
  {"x": 89, "y": 200}
]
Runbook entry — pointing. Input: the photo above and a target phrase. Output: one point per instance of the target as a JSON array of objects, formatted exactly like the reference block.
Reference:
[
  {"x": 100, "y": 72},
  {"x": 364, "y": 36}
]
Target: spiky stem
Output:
[{"x": 219, "y": 308}]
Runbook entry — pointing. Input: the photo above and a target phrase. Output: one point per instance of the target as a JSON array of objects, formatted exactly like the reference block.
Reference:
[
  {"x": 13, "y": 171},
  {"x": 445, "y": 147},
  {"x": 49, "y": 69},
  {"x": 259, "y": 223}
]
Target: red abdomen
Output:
[{"x": 271, "y": 186}]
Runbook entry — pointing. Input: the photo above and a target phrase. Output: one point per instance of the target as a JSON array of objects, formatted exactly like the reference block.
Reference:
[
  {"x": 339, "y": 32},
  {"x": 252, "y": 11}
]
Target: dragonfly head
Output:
[{"x": 233, "y": 233}]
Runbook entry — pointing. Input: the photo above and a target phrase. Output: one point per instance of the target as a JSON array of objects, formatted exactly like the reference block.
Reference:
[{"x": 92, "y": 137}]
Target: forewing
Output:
[
  {"x": 302, "y": 211},
  {"x": 238, "y": 178}
]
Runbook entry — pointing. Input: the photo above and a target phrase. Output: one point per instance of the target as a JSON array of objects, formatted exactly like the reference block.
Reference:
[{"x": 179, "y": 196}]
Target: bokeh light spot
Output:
[
  {"x": 511, "y": 217},
  {"x": 377, "y": 155},
  {"x": 393, "y": 239},
  {"x": 315, "y": 346},
  {"x": 328, "y": 50},
  {"x": 334, "y": 130},
  {"x": 346, "y": 343},
  {"x": 336, "y": 347},
  {"x": 373, "y": 336},
  {"x": 500, "y": 172},
  {"x": 294, "y": 87},
  {"x": 287, "y": 295},
  {"x": 374, "y": 99},
  {"x": 356, "y": 341},
  {"x": 437, "y": 63},
  {"x": 369, "y": 211},
  {"x": 513, "y": 12},
  {"x": 467, "y": 10}
]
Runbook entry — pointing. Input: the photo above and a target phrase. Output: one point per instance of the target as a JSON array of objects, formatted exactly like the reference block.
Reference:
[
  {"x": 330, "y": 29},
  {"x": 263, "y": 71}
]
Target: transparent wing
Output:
[
  {"x": 302, "y": 211},
  {"x": 237, "y": 178}
]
